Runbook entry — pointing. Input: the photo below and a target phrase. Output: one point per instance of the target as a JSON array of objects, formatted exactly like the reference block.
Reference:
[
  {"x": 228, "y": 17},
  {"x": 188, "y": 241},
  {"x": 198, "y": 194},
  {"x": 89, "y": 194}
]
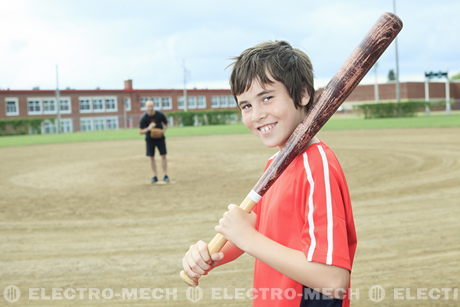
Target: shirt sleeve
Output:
[
  {"x": 143, "y": 123},
  {"x": 325, "y": 229},
  {"x": 164, "y": 120}
]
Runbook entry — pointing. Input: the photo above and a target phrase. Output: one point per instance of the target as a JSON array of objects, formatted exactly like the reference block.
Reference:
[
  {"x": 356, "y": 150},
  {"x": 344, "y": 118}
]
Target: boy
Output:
[
  {"x": 301, "y": 232},
  {"x": 150, "y": 120}
]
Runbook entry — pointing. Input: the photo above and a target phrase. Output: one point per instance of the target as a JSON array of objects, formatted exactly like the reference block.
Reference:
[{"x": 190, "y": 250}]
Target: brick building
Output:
[{"x": 85, "y": 110}]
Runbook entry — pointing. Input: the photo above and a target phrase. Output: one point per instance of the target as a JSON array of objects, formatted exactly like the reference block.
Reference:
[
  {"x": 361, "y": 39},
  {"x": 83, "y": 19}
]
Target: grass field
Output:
[{"x": 336, "y": 123}]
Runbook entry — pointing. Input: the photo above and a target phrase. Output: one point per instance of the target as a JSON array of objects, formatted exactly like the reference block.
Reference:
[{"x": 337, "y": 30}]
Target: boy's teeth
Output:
[{"x": 266, "y": 129}]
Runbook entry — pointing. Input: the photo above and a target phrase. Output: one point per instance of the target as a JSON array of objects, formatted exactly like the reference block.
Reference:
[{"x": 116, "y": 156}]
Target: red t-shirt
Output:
[{"x": 308, "y": 208}]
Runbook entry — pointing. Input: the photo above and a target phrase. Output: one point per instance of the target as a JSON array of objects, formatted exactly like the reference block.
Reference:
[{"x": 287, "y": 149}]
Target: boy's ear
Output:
[{"x": 305, "y": 98}]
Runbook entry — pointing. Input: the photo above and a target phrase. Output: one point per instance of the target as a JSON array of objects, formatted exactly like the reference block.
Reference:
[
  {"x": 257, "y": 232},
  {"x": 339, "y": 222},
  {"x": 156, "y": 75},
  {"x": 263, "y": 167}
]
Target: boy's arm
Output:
[
  {"x": 238, "y": 227},
  {"x": 332, "y": 280}
]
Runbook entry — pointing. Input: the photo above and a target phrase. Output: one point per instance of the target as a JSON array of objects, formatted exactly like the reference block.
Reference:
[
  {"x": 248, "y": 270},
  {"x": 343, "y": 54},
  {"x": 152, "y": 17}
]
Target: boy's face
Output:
[{"x": 269, "y": 112}]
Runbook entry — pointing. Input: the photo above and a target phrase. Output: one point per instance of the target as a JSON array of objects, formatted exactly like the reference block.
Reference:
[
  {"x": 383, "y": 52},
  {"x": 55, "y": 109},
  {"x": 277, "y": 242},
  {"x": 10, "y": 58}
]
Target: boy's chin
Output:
[{"x": 272, "y": 143}]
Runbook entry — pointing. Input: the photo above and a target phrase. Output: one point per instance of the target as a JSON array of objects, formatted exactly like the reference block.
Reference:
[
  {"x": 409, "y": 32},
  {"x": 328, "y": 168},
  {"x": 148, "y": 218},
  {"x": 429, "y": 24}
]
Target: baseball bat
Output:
[{"x": 325, "y": 105}]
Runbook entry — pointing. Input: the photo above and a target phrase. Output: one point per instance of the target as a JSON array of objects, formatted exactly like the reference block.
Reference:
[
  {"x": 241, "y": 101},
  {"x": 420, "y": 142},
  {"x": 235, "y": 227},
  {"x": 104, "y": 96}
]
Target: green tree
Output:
[
  {"x": 455, "y": 77},
  {"x": 391, "y": 75}
]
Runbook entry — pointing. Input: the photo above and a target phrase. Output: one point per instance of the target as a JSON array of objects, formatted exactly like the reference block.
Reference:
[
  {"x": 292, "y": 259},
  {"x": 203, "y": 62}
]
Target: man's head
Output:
[
  {"x": 274, "y": 61},
  {"x": 149, "y": 106},
  {"x": 273, "y": 86}
]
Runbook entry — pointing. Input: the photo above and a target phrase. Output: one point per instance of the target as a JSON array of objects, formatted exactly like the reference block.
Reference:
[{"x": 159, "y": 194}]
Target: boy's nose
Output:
[{"x": 258, "y": 114}]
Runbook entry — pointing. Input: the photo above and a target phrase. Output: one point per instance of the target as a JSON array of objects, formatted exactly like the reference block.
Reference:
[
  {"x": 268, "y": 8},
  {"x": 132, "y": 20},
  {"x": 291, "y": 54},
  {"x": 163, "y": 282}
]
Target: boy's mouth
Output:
[{"x": 266, "y": 129}]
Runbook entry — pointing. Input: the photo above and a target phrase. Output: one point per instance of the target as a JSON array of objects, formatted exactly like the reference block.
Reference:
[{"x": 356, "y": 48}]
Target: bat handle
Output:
[{"x": 216, "y": 244}]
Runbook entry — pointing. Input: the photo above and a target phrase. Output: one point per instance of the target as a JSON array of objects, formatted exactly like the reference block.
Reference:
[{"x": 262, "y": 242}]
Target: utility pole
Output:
[
  {"x": 376, "y": 83},
  {"x": 427, "y": 95},
  {"x": 185, "y": 86},
  {"x": 398, "y": 88},
  {"x": 58, "y": 103}
]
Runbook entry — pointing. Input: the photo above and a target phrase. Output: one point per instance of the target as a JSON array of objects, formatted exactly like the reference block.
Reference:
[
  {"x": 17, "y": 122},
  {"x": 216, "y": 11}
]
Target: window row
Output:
[
  {"x": 98, "y": 123},
  {"x": 98, "y": 104},
  {"x": 101, "y": 104},
  {"x": 160, "y": 103},
  {"x": 51, "y": 126},
  {"x": 222, "y": 101},
  {"x": 194, "y": 102},
  {"x": 47, "y": 105}
]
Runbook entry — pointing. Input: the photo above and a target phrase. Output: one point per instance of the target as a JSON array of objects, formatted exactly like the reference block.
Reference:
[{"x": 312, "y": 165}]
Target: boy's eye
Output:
[
  {"x": 268, "y": 98},
  {"x": 246, "y": 106}
]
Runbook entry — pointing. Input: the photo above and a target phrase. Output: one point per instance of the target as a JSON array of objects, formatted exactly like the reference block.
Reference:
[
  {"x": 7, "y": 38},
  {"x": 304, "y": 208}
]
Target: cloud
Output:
[{"x": 100, "y": 43}]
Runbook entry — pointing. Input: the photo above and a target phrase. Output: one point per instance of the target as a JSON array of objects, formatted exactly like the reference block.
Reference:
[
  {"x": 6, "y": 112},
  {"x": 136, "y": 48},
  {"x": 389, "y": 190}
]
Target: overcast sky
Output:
[{"x": 100, "y": 43}]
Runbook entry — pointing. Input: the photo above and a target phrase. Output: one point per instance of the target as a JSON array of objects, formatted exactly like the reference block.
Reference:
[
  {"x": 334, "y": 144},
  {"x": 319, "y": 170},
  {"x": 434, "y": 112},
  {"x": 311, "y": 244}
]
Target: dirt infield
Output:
[{"x": 84, "y": 215}]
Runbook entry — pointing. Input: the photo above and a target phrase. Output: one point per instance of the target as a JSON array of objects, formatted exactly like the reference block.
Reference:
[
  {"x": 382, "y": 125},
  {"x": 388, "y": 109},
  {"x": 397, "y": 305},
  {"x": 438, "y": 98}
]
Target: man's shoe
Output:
[
  {"x": 154, "y": 179},
  {"x": 166, "y": 178}
]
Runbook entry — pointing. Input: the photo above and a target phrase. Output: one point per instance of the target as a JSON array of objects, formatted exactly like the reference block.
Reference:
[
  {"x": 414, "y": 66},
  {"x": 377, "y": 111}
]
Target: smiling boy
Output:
[{"x": 301, "y": 233}]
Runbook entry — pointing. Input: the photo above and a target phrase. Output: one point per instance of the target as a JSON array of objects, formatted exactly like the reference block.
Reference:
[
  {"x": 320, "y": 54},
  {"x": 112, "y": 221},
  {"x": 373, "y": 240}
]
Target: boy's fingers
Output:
[
  {"x": 200, "y": 266},
  {"x": 187, "y": 268},
  {"x": 217, "y": 256},
  {"x": 231, "y": 206},
  {"x": 194, "y": 268},
  {"x": 203, "y": 251}
]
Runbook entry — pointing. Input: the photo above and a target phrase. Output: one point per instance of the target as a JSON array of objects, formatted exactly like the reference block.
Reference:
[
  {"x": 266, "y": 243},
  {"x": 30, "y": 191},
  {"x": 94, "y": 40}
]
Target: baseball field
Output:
[{"x": 83, "y": 216}]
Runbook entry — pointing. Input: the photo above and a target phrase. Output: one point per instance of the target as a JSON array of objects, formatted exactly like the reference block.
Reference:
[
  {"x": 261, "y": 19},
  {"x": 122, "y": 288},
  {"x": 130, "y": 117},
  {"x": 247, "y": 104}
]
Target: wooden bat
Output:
[{"x": 336, "y": 91}]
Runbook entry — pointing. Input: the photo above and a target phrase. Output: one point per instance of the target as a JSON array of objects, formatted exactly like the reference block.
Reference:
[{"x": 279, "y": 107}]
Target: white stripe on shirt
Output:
[
  {"x": 330, "y": 222},
  {"x": 311, "y": 225}
]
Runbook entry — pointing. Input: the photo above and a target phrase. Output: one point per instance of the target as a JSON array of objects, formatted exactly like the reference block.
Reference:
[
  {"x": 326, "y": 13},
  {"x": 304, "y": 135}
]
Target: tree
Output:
[
  {"x": 391, "y": 75},
  {"x": 455, "y": 77}
]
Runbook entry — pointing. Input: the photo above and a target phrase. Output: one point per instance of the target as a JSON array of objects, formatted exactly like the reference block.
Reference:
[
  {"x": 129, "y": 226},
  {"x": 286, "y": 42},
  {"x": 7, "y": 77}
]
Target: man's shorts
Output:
[{"x": 151, "y": 144}]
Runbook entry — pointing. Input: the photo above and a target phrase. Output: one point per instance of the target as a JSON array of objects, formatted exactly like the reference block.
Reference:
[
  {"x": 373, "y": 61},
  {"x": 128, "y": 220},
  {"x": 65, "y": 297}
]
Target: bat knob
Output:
[{"x": 188, "y": 280}]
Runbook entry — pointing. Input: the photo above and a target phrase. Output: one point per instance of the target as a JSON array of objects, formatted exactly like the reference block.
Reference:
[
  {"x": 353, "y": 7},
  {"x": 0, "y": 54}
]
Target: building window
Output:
[
  {"x": 49, "y": 106},
  {"x": 214, "y": 101},
  {"x": 231, "y": 101},
  {"x": 222, "y": 101},
  {"x": 157, "y": 102},
  {"x": 98, "y": 123},
  {"x": 85, "y": 105},
  {"x": 98, "y": 105},
  {"x": 34, "y": 106},
  {"x": 86, "y": 124},
  {"x": 65, "y": 105},
  {"x": 127, "y": 103},
  {"x": 111, "y": 123},
  {"x": 191, "y": 102},
  {"x": 110, "y": 105},
  {"x": 51, "y": 126},
  {"x": 12, "y": 106},
  {"x": 201, "y": 102},
  {"x": 180, "y": 102},
  {"x": 160, "y": 103},
  {"x": 166, "y": 103},
  {"x": 143, "y": 102}
]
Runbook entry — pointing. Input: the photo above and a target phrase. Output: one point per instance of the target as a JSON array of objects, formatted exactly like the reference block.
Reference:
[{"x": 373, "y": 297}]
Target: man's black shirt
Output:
[{"x": 158, "y": 118}]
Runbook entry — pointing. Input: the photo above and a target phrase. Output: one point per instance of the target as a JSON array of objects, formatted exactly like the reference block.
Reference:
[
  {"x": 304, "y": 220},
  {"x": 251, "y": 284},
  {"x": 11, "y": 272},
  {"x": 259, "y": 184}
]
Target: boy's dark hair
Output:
[{"x": 285, "y": 64}]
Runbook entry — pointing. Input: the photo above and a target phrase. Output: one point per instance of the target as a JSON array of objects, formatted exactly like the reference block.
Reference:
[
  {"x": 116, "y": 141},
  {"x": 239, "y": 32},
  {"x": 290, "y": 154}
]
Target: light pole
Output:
[
  {"x": 398, "y": 89},
  {"x": 58, "y": 103},
  {"x": 185, "y": 86}
]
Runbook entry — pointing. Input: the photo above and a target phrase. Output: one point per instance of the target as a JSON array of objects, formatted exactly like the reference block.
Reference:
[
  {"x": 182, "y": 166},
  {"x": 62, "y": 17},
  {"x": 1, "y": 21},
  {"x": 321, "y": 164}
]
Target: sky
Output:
[{"x": 100, "y": 43}]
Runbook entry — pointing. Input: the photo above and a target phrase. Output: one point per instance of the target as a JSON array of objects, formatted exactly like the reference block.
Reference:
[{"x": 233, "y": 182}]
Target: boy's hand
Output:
[
  {"x": 198, "y": 262},
  {"x": 237, "y": 225}
]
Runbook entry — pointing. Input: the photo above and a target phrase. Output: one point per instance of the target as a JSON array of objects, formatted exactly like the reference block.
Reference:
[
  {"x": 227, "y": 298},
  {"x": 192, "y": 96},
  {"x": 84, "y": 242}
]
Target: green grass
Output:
[{"x": 336, "y": 123}]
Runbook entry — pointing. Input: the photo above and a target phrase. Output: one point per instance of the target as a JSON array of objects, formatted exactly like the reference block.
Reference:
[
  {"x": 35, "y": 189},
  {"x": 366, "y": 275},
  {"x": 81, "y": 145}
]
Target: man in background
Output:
[{"x": 153, "y": 124}]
